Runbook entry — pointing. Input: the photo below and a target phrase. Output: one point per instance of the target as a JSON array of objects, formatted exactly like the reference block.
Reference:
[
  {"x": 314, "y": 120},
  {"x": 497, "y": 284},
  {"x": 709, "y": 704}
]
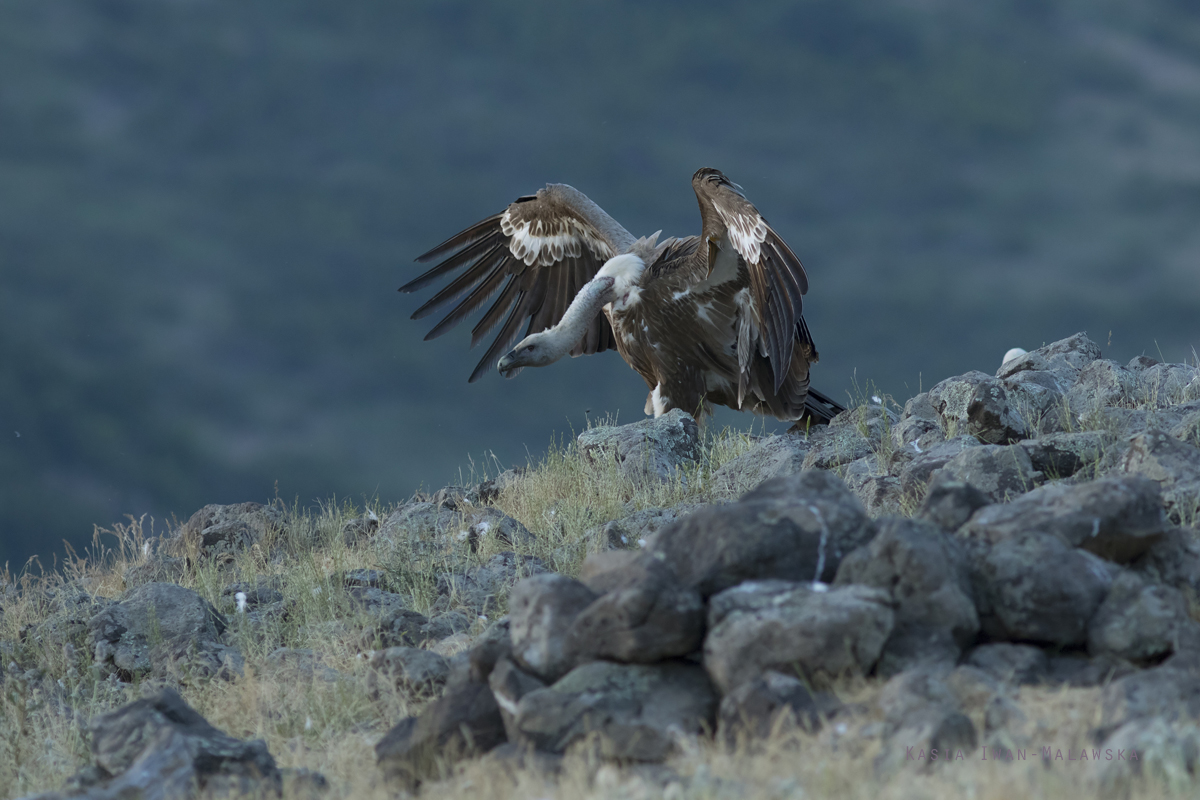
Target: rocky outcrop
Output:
[{"x": 651, "y": 450}]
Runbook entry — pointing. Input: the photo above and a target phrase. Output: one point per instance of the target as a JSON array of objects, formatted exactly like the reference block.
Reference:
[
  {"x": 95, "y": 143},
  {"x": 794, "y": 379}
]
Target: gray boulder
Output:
[
  {"x": 1164, "y": 385},
  {"x": 1033, "y": 587},
  {"x": 925, "y": 572},
  {"x": 1173, "y": 560},
  {"x": 632, "y": 530},
  {"x": 163, "y": 630},
  {"x": 1154, "y": 752},
  {"x": 818, "y": 634},
  {"x": 878, "y": 491},
  {"x": 1164, "y": 692},
  {"x": 462, "y": 723},
  {"x": 1117, "y": 518},
  {"x": 771, "y": 457},
  {"x": 797, "y": 527},
  {"x": 218, "y": 529},
  {"x": 992, "y": 418},
  {"x": 1000, "y": 472},
  {"x": 914, "y": 476},
  {"x": 402, "y": 627},
  {"x": 635, "y": 711},
  {"x": 1061, "y": 455},
  {"x": 1064, "y": 359},
  {"x": 1100, "y": 384},
  {"x": 407, "y": 669},
  {"x": 1011, "y": 663},
  {"x": 923, "y": 721},
  {"x": 509, "y": 683},
  {"x": 1138, "y": 621},
  {"x": 480, "y": 589},
  {"x": 949, "y": 504},
  {"x": 1176, "y": 467},
  {"x": 653, "y": 449},
  {"x": 159, "y": 748},
  {"x": 541, "y": 611},
  {"x": 644, "y": 615},
  {"x": 952, "y": 397},
  {"x": 758, "y": 707},
  {"x": 851, "y": 435}
]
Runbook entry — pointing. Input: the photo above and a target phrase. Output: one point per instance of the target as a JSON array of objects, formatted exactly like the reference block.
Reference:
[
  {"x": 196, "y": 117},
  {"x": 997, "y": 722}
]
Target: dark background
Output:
[{"x": 206, "y": 208}]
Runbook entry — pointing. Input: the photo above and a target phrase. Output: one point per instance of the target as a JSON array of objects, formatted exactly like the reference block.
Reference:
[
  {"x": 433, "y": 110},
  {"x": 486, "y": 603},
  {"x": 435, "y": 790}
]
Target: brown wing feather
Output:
[
  {"x": 537, "y": 254},
  {"x": 777, "y": 278}
]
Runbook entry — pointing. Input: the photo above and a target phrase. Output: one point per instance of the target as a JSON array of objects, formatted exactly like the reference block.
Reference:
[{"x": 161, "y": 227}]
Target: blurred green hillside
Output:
[{"x": 206, "y": 207}]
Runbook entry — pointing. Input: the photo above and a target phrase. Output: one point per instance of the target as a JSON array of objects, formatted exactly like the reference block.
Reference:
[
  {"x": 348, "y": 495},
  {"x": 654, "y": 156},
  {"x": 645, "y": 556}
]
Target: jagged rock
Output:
[
  {"x": 1064, "y": 359},
  {"x": 915, "y": 475},
  {"x": 879, "y": 492},
  {"x": 851, "y": 435},
  {"x": 950, "y": 503},
  {"x": 402, "y": 627},
  {"x": 952, "y": 397},
  {"x": 1000, "y": 472},
  {"x": 1164, "y": 692},
  {"x": 1060, "y": 455},
  {"x": 753, "y": 710},
  {"x": 796, "y": 527},
  {"x": 463, "y": 722},
  {"x": 1138, "y": 621},
  {"x": 541, "y": 611},
  {"x": 653, "y": 449},
  {"x": 1117, "y": 518},
  {"x": 1150, "y": 750},
  {"x": 991, "y": 418},
  {"x": 1100, "y": 384},
  {"x": 634, "y": 529},
  {"x": 1010, "y": 663},
  {"x": 1176, "y": 467},
  {"x": 1162, "y": 385},
  {"x": 925, "y": 572},
  {"x": 771, "y": 457},
  {"x": 160, "y": 748},
  {"x": 644, "y": 615},
  {"x": 163, "y": 630},
  {"x": 509, "y": 683},
  {"x": 479, "y": 588},
  {"x": 818, "y": 634},
  {"x": 1173, "y": 560},
  {"x": 1032, "y": 586},
  {"x": 218, "y": 529},
  {"x": 636, "y": 711},
  {"x": 418, "y": 672}
]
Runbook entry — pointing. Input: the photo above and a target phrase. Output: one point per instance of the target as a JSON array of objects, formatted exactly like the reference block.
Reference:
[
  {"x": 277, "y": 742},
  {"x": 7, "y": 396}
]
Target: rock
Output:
[
  {"x": 758, "y": 707},
  {"x": 971, "y": 686},
  {"x": 1037, "y": 398},
  {"x": 491, "y": 522},
  {"x": 1164, "y": 692},
  {"x": 796, "y": 528},
  {"x": 492, "y": 645},
  {"x": 1164, "y": 755},
  {"x": 1117, "y": 518},
  {"x": 919, "y": 428},
  {"x": 950, "y": 503},
  {"x": 490, "y": 489},
  {"x": 1162, "y": 385},
  {"x": 818, "y": 635},
  {"x": 922, "y": 721},
  {"x": 1000, "y": 472},
  {"x": 926, "y": 575},
  {"x": 636, "y": 711},
  {"x": 634, "y": 529},
  {"x": 771, "y": 457},
  {"x": 480, "y": 588},
  {"x": 1173, "y": 560},
  {"x": 159, "y": 747},
  {"x": 163, "y": 630},
  {"x": 1100, "y": 384},
  {"x": 1064, "y": 359},
  {"x": 1061, "y": 455},
  {"x": 991, "y": 418},
  {"x": 402, "y": 627},
  {"x": 509, "y": 683},
  {"x": 914, "y": 477},
  {"x": 462, "y": 723},
  {"x": 541, "y": 611},
  {"x": 421, "y": 528},
  {"x": 456, "y": 498},
  {"x": 1078, "y": 670},
  {"x": 831, "y": 446},
  {"x": 879, "y": 492},
  {"x": 1188, "y": 429},
  {"x": 653, "y": 449},
  {"x": 645, "y": 615},
  {"x": 408, "y": 669},
  {"x": 912, "y": 646},
  {"x": 1176, "y": 467},
  {"x": 1033, "y": 587},
  {"x": 218, "y": 529},
  {"x": 1010, "y": 663},
  {"x": 360, "y": 528},
  {"x": 374, "y": 602},
  {"x": 1138, "y": 621},
  {"x": 952, "y": 397}
]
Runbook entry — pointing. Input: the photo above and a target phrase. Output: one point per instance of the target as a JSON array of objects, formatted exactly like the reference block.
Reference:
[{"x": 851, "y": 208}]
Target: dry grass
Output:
[{"x": 331, "y": 725}]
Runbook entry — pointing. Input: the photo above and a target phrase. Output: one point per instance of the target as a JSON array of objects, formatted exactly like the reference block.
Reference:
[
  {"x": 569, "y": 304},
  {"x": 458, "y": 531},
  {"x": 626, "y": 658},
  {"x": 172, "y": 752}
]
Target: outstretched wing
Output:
[
  {"x": 777, "y": 279},
  {"x": 537, "y": 254}
]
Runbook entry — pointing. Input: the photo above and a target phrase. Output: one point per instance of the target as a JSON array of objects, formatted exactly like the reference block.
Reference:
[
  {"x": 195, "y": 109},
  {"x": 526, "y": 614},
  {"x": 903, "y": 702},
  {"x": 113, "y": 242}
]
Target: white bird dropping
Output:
[{"x": 241, "y": 601}]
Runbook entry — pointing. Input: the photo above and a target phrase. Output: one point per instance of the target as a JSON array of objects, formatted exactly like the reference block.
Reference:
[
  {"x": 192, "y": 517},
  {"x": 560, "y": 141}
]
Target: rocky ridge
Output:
[{"x": 1033, "y": 527}]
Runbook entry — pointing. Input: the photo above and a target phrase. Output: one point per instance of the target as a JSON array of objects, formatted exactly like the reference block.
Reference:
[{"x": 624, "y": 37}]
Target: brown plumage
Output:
[{"x": 714, "y": 319}]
